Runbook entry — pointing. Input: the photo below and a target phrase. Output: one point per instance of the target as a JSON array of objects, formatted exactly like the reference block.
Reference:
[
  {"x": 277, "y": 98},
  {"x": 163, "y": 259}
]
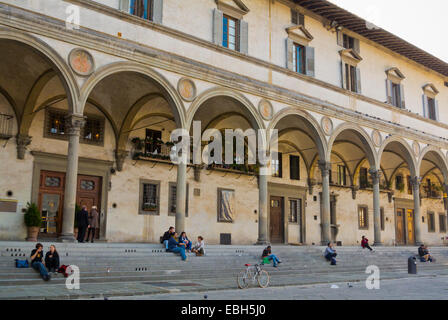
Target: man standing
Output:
[
  {"x": 83, "y": 223},
  {"x": 37, "y": 263},
  {"x": 93, "y": 223}
]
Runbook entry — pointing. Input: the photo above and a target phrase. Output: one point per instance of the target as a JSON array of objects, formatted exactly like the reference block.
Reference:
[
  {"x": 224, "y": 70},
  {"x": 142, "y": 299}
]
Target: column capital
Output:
[
  {"x": 324, "y": 167},
  {"x": 376, "y": 175},
  {"x": 120, "y": 156},
  {"x": 74, "y": 123},
  {"x": 23, "y": 140},
  {"x": 415, "y": 182}
]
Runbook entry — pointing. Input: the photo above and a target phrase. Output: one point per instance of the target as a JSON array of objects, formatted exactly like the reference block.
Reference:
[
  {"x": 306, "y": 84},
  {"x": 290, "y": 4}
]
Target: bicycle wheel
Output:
[
  {"x": 242, "y": 280},
  {"x": 263, "y": 279}
]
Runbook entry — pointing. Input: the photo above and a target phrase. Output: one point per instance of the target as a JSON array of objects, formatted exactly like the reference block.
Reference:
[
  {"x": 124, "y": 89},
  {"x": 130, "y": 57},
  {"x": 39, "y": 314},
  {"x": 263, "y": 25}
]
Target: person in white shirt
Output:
[{"x": 199, "y": 247}]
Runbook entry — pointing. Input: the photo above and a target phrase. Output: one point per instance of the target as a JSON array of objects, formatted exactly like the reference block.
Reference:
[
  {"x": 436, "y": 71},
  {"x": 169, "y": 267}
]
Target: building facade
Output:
[{"x": 90, "y": 92}]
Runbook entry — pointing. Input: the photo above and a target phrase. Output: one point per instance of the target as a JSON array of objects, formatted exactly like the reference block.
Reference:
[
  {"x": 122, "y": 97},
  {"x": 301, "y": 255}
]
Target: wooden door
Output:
[
  {"x": 410, "y": 226},
  {"x": 276, "y": 219},
  {"x": 89, "y": 193},
  {"x": 399, "y": 231},
  {"x": 50, "y": 201}
]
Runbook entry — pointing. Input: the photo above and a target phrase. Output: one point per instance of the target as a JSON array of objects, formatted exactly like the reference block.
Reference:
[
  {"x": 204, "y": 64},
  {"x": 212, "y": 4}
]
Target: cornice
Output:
[{"x": 29, "y": 21}]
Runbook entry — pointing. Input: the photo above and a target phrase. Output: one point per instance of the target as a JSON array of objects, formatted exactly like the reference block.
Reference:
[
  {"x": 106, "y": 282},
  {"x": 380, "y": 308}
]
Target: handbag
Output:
[{"x": 22, "y": 263}]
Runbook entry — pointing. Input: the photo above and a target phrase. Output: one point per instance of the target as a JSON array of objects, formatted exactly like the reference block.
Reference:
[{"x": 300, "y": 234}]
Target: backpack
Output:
[
  {"x": 22, "y": 263},
  {"x": 65, "y": 270}
]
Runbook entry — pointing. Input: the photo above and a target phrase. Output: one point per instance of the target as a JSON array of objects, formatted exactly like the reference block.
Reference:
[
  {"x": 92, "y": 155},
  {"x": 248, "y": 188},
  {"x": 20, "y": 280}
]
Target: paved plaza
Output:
[{"x": 421, "y": 288}]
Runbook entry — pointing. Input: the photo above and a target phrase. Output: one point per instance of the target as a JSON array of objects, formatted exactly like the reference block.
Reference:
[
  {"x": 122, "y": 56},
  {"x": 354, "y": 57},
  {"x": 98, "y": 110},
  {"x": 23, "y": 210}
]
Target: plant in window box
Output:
[
  {"x": 169, "y": 144},
  {"x": 136, "y": 155},
  {"x": 33, "y": 221},
  {"x": 400, "y": 187},
  {"x": 149, "y": 207},
  {"x": 138, "y": 143}
]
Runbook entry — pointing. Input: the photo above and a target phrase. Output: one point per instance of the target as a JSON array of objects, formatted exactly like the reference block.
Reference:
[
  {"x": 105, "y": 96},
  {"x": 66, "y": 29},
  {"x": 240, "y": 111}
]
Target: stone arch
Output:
[
  {"x": 439, "y": 157},
  {"x": 312, "y": 124},
  {"x": 405, "y": 152},
  {"x": 168, "y": 91},
  {"x": 64, "y": 72},
  {"x": 367, "y": 144}
]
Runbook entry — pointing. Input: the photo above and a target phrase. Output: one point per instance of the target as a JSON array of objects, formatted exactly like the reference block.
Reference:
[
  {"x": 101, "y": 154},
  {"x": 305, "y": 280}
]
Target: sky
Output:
[{"x": 422, "y": 23}]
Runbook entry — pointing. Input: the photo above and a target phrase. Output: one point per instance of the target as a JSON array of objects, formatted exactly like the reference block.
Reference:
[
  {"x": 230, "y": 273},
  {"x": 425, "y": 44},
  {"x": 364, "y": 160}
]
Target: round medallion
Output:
[
  {"x": 327, "y": 125},
  {"x": 376, "y": 138},
  {"x": 416, "y": 148},
  {"x": 186, "y": 89},
  {"x": 81, "y": 61},
  {"x": 266, "y": 110}
]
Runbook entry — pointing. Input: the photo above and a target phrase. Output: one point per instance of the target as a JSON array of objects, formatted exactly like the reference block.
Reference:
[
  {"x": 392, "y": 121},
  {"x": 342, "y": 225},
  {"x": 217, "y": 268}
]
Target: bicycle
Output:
[{"x": 253, "y": 273}]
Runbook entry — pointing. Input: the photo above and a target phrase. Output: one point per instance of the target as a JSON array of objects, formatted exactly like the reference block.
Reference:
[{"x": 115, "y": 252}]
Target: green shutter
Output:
[
  {"x": 289, "y": 54},
  {"x": 244, "y": 37},
  {"x": 157, "y": 11},
  {"x": 309, "y": 61},
  {"x": 217, "y": 27},
  {"x": 343, "y": 75},
  {"x": 389, "y": 91},
  {"x": 425, "y": 106}
]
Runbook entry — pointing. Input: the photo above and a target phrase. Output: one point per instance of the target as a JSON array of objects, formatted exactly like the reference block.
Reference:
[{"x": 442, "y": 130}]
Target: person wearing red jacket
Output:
[{"x": 365, "y": 243}]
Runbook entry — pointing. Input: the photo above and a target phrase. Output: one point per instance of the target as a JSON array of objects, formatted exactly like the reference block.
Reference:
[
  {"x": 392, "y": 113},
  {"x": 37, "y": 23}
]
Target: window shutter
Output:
[
  {"x": 340, "y": 38},
  {"x": 301, "y": 19},
  {"x": 244, "y": 37},
  {"x": 389, "y": 91},
  {"x": 403, "y": 104},
  {"x": 309, "y": 61},
  {"x": 343, "y": 76},
  {"x": 356, "y": 45},
  {"x": 436, "y": 106},
  {"x": 157, "y": 11},
  {"x": 125, "y": 5},
  {"x": 358, "y": 80},
  {"x": 217, "y": 27},
  {"x": 289, "y": 54},
  {"x": 297, "y": 18},
  {"x": 425, "y": 106}
]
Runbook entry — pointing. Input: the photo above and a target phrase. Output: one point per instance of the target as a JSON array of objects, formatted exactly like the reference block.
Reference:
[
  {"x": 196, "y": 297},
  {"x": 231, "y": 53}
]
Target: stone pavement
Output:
[{"x": 412, "y": 288}]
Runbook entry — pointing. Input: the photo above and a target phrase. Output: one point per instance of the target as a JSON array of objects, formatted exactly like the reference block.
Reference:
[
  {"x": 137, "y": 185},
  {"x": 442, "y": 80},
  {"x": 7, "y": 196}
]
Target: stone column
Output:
[
  {"x": 263, "y": 206},
  {"x": 375, "y": 174},
  {"x": 181, "y": 196},
  {"x": 415, "y": 181},
  {"x": 74, "y": 124},
  {"x": 325, "y": 168},
  {"x": 23, "y": 141}
]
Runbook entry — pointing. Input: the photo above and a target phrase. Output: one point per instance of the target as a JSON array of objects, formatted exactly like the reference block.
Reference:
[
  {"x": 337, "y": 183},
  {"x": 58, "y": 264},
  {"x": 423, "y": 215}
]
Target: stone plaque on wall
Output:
[
  {"x": 81, "y": 61},
  {"x": 327, "y": 125},
  {"x": 8, "y": 205},
  {"x": 266, "y": 110},
  {"x": 376, "y": 138},
  {"x": 416, "y": 148},
  {"x": 186, "y": 89}
]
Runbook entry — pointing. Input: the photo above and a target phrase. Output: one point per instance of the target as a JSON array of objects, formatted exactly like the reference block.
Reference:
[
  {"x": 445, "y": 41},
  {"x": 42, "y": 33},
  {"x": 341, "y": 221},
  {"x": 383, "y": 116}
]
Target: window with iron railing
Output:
[{"x": 6, "y": 125}]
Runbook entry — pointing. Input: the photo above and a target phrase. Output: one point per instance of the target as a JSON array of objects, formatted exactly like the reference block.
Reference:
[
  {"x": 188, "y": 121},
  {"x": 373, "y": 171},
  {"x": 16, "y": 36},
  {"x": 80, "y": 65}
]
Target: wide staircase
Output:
[{"x": 124, "y": 269}]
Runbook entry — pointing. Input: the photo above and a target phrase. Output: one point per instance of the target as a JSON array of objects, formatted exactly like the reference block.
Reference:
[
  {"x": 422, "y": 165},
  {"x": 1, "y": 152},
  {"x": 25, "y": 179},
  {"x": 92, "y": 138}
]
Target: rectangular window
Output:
[
  {"x": 276, "y": 166},
  {"x": 93, "y": 131},
  {"x": 297, "y": 18},
  {"x": 409, "y": 184},
  {"x": 294, "y": 167},
  {"x": 230, "y": 33},
  {"x": 153, "y": 141},
  {"x": 382, "y": 218},
  {"x": 342, "y": 177},
  {"x": 396, "y": 95},
  {"x": 399, "y": 185},
  {"x": 363, "y": 217},
  {"x": 363, "y": 179},
  {"x": 141, "y": 8},
  {"x": 149, "y": 197},
  {"x": 56, "y": 122},
  {"x": 173, "y": 200},
  {"x": 442, "y": 223},
  {"x": 348, "y": 42},
  {"x": 350, "y": 77},
  {"x": 432, "y": 109},
  {"x": 295, "y": 210},
  {"x": 299, "y": 58},
  {"x": 431, "y": 222}
]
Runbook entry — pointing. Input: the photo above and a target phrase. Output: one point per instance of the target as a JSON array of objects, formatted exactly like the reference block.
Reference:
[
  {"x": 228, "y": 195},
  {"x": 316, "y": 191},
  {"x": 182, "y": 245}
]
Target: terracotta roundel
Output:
[
  {"x": 376, "y": 138},
  {"x": 266, "y": 110},
  {"x": 416, "y": 148},
  {"x": 81, "y": 62},
  {"x": 186, "y": 89},
  {"x": 327, "y": 125}
]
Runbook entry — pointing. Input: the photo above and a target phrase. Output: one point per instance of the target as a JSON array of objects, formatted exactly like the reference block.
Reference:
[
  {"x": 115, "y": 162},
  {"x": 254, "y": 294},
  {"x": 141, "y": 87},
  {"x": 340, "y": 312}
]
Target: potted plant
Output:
[
  {"x": 33, "y": 221},
  {"x": 75, "y": 229}
]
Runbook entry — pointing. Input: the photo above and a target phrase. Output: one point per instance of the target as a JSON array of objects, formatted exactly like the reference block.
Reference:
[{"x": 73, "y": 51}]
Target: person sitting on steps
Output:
[
  {"x": 424, "y": 254},
  {"x": 267, "y": 253},
  {"x": 199, "y": 247},
  {"x": 52, "y": 260},
  {"x": 330, "y": 254},
  {"x": 183, "y": 238},
  {"x": 166, "y": 236},
  {"x": 365, "y": 243},
  {"x": 37, "y": 263},
  {"x": 177, "y": 247}
]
